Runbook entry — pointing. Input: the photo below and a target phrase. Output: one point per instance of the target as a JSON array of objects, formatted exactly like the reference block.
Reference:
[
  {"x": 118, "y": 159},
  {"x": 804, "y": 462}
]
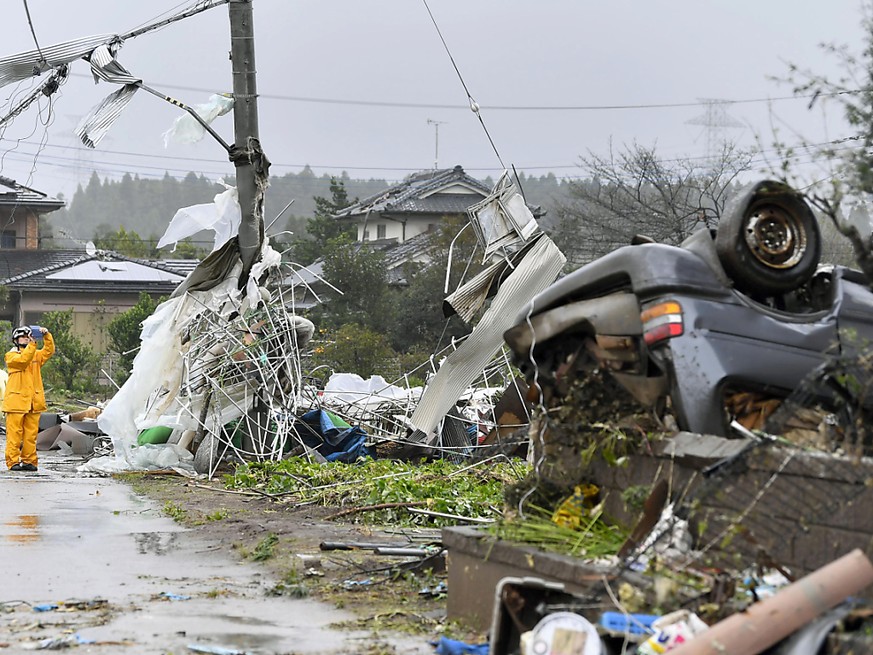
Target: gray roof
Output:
[
  {"x": 420, "y": 193},
  {"x": 13, "y": 194},
  {"x": 77, "y": 271}
]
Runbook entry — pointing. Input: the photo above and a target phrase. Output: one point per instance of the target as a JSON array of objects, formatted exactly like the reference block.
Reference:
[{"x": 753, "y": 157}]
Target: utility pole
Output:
[
  {"x": 245, "y": 130},
  {"x": 436, "y": 151},
  {"x": 251, "y": 164}
]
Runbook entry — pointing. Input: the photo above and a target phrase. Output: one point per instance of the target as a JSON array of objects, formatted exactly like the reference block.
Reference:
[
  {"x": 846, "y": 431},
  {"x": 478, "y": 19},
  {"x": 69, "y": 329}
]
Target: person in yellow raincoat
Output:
[{"x": 24, "y": 399}]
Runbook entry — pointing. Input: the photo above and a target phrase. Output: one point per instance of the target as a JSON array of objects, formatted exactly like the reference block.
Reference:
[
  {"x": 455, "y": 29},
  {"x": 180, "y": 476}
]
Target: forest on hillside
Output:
[{"x": 145, "y": 206}]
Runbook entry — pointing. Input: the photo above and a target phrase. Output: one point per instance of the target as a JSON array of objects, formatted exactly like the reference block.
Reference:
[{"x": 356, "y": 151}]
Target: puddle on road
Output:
[
  {"x": 22, "y": 529},
  {"x": 157, "y": 543},
  {"x": 254, "y": 625}
]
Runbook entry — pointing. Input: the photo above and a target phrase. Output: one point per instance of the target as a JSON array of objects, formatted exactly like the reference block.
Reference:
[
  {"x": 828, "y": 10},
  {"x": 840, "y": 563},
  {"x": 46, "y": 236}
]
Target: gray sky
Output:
[{"x": 511, "y": 53}]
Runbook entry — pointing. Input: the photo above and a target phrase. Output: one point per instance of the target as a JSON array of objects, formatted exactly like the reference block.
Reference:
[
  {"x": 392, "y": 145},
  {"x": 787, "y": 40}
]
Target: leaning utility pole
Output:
[{"x": 246, "y": 153}]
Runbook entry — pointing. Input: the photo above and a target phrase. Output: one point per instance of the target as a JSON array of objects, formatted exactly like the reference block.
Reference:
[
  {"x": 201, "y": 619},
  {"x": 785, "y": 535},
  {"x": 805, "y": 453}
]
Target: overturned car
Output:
[{"x": 684, "y": 328}]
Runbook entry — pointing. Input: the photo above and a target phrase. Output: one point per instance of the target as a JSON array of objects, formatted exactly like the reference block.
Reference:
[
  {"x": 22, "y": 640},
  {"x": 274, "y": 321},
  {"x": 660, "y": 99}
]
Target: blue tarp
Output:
[
  {"x": 447, "y": 646},
  {"x": 333, "y": 437}
]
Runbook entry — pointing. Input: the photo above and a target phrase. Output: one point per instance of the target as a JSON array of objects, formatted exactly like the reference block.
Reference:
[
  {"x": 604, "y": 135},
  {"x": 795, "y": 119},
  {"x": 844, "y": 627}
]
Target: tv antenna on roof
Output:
[{"x": 436, "y": 149}]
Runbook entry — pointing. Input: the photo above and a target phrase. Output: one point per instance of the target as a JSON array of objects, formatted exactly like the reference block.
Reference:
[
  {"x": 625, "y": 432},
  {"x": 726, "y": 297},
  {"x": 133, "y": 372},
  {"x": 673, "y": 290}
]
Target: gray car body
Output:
[{"x": 728, "y": 338}]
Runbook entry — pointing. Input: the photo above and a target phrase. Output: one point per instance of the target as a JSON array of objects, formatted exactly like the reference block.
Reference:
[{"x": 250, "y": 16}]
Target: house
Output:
[
  {"x": 20, "y": 209},
  {"x": 401, "y": 221},
  {"x": 96, "y": 286},
  {"x": 415, "y": 206}
]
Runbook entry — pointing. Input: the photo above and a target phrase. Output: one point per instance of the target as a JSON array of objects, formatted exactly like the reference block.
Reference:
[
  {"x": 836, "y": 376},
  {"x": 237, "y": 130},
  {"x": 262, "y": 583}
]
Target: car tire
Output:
[{"x": 768, "y": 240}]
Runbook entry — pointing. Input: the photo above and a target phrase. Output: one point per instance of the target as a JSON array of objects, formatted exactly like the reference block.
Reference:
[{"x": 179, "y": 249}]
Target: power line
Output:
[{"x": 422, "y": 105}]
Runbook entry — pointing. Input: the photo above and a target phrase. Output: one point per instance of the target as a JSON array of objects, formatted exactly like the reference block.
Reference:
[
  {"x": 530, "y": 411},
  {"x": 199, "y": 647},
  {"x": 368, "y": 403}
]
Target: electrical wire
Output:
[
  {"x": 549, "y": 108},
  {"x": 474, "y": 106}
]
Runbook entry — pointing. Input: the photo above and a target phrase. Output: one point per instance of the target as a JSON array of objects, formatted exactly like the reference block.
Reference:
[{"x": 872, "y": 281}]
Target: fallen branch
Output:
[
  {"x": 372, "y": 508},
  {"x": 253, "y": 492}
]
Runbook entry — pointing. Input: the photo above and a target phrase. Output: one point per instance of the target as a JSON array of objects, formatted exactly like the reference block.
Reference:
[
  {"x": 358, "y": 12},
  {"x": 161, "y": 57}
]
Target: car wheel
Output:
[{"x": 768, "y": 241}]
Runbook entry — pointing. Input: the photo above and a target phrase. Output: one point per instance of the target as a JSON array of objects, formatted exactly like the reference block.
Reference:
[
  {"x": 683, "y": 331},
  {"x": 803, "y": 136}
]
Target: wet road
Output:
[{"x": 121, "y": 573}]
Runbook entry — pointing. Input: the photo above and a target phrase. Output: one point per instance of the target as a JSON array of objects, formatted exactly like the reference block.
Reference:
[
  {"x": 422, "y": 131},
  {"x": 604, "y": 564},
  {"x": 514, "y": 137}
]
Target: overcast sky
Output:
[{"x": 334, "y": 78}]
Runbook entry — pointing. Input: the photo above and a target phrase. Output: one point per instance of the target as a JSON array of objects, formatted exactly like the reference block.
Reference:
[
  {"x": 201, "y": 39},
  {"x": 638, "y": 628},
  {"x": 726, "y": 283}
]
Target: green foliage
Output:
[
  {"x": 175, "y": 512},
  {"x": 442, "y": 486},
  {"x": 322, "y": 228},
  {"x": 124, "y": 332},
  {"x": 360, "y": 274},
  {"x": 124, "y": 242},
  {"x": 74, "y": 364},
  {"x": 265, "y": 548},
  {"x": 594, "y": 539},
  {"x": 357, "y": 349}
]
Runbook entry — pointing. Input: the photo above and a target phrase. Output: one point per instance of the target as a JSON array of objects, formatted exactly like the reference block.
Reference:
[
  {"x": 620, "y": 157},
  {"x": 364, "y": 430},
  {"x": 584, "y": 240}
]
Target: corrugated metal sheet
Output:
[
  {"x": 537, "y": 270},
  {"x": 22, "y": 65},
  {"x": 93, "y": 127}
]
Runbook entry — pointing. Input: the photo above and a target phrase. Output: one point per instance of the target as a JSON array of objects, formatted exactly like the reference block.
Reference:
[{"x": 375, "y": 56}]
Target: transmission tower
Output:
[{"x": 715, "y": 121}]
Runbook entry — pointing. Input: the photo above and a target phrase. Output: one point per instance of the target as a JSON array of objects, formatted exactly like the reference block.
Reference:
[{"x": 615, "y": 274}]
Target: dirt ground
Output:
[{"x": 390, "y": 595}]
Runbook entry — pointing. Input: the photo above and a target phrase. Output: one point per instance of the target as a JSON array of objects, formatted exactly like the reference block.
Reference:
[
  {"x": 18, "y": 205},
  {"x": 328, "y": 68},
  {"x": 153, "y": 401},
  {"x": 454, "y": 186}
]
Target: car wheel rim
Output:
[{"x": 775, "y": 238}]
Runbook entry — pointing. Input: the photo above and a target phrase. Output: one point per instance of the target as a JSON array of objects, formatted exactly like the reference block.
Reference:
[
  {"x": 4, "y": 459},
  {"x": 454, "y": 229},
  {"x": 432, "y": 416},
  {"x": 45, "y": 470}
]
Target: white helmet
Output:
[{"x": 20, "y": 331}]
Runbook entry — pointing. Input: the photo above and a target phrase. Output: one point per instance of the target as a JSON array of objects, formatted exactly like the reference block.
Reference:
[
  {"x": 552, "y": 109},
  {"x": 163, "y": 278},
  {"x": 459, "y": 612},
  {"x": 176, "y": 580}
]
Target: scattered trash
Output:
[
  {"x": 45, "y": 607},
  {"x": 165, "y": 595},
  {"x": 437, "y": 591},
  {"x": 562, "y": 632},
  {"x": 214, "y": 650},
  {"x": 671, "y": 631},
  {"x": 446, "y": 646}
]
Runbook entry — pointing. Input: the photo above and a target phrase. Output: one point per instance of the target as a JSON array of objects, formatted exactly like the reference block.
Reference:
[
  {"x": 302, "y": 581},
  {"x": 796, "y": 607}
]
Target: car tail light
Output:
[{"x": 662, "y": 321}]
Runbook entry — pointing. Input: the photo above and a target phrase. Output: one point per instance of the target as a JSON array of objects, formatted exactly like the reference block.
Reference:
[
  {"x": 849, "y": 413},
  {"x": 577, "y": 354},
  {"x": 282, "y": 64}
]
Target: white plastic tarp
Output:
[
  {"x": 186, "y": 129},
  {"x": 351, "y": 389},
  {"x": 222, "y": 216}
]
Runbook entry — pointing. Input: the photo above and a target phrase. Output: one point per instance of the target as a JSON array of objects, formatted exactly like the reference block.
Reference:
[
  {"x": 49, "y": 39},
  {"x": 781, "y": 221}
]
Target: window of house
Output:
[
  {"x": 380, "y": 231},
  {"x": 431, "y": 227},
  {"x": 366, "y": 235},
  {"x": 7, "y": 239}
]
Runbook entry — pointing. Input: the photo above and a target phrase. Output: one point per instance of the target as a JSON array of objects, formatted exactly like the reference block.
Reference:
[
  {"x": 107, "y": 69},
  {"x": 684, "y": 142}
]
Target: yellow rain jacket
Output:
[{"x": 24, "y": 391}]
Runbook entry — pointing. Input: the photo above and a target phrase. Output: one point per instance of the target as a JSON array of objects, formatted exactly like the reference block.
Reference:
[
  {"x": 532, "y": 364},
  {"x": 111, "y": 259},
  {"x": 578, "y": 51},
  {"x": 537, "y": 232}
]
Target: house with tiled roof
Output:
[
  {"x": 20, "y": 209},
  {"x": 96, "y": 286},
  {"x": 415, "y": 206}
]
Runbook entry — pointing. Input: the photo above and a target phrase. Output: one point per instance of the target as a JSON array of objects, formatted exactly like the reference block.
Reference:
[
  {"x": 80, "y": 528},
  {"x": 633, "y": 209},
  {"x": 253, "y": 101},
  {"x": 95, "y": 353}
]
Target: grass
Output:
[
  {"x": 462, "y": 490},
  {"x": 265, "y": 549},
  {"x": 175, "y": 512}
]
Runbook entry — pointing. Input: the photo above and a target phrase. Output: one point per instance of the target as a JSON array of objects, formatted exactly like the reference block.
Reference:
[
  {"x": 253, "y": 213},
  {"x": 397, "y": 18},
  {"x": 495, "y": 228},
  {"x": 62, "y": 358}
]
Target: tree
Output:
[
  {"x": 848, "y": 178},
  {"x": 125, "y": 329},
  {"x": 74, "y": 364},
  {"x": 633, "y": 192},
  {"x": 127, "y": 243},
  {"x": 359, "y": 273},
  {"x": 323, "y": 228},
  {"x": 358, "y": 349},
  {"x": 419, "y": 322}
]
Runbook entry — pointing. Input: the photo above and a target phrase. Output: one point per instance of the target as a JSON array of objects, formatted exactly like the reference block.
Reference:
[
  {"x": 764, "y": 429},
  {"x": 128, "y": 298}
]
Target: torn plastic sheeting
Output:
[
  {"x": 539, "y": 268},
  {"x": 141, "y": 458},
  {"x": 156, "y": 377},
  {"x": 186, "y": 129},
  {"x": 222, "y": 216},
  {"x": 351, "y": 389},
  {"x": 21, "y": 66}
]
